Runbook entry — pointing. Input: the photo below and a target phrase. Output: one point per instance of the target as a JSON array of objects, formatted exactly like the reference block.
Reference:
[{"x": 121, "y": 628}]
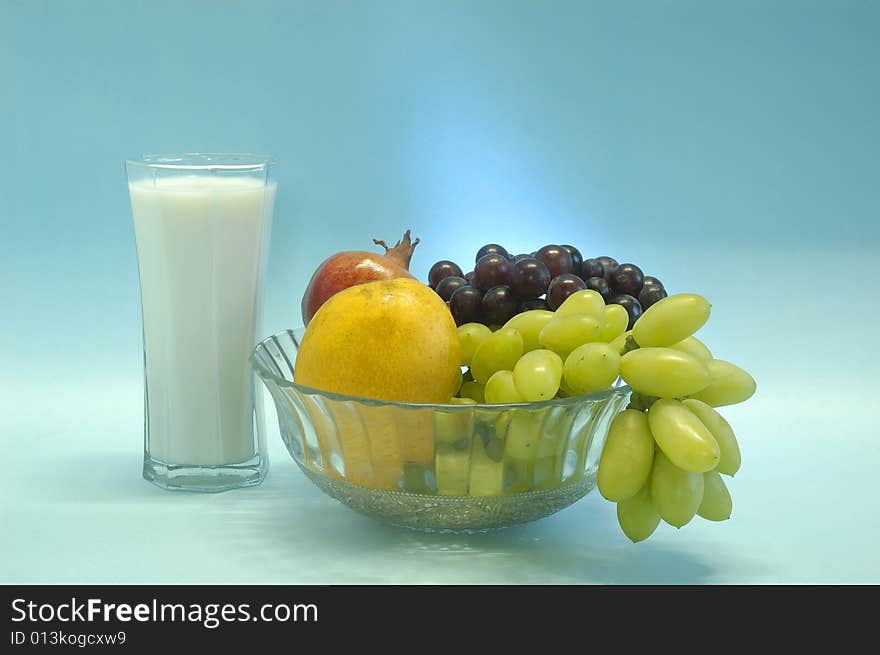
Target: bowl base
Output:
[{"x": 428, "y": 513}]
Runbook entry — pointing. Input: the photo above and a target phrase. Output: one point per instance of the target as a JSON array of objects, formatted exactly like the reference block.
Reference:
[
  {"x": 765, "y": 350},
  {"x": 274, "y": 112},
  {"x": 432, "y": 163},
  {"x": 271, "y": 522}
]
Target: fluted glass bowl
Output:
[{"x": 439, "y": 467}]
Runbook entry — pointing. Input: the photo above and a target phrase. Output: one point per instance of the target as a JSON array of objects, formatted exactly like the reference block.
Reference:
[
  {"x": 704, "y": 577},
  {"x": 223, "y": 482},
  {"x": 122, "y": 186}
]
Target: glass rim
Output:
[{"x": 205, "y": 161}]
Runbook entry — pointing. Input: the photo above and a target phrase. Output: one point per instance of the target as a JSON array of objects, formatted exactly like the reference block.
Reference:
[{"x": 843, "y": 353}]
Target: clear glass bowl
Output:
[{"x": 439, "y": 467}]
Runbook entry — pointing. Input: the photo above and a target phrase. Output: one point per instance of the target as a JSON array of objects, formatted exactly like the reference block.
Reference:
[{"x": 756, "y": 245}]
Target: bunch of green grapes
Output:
[
  {"x": 538, "y": 354},
  {"x": 665, "y": 454}
]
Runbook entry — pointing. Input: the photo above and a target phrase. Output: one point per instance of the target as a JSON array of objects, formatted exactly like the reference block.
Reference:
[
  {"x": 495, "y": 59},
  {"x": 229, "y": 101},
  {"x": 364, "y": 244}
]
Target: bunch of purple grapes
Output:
[{"x": 503, "y": 285}]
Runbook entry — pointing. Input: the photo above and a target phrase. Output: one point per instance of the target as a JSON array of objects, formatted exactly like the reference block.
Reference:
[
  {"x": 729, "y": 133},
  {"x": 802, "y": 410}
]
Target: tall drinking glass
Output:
[{"x": 202, "y": 225}]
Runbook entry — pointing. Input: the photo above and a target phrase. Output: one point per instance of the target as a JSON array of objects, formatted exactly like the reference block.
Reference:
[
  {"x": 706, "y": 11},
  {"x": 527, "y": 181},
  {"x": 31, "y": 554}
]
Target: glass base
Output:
[{"x": 205, "y": 478}]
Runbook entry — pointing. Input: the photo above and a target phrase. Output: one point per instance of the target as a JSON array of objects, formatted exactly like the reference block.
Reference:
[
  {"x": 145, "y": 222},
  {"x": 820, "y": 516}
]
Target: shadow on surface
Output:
[
  {"x": 327, "y": 542},
  {"x": 287, "y": 531}
]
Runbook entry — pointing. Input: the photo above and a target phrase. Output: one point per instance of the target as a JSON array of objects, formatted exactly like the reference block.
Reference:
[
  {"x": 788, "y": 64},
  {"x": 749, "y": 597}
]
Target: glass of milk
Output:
[{"x": 202, "y": 224}]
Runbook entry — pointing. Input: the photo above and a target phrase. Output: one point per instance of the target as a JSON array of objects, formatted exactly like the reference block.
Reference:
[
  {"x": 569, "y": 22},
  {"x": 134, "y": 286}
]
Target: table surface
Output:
[{"x": 76, "y": 510}]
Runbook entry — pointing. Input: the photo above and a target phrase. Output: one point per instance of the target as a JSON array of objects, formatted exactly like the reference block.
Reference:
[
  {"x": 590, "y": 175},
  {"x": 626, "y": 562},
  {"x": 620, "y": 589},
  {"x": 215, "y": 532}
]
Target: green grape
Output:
[
  {"x": 627, "y": 456},
  {"x": 497, "y": 353},
  {"x": 451, "y": 470},
  {"x": 451, "y": 428},
  {"x": 587, "y": 302},
  {"x": 502, "y": 423},
  {"x": 565, "y": 391},
  {"x": 537, "y": 375},
  {"x": 717, "y": 504},
  {"x": 730, "y": 456},
  {"x": 675, "y": 493},
  {"x": 473, "y": 390},
  {"x": 730, "y": 385},
  {"x": 614, "y": 324},
  {"x": 637, "y": 517},
  {"x": 463, "y": 401},
  {"x": 486, "y": 472},
  {"x": 520, "y": 449},
  {"x": 671, "y": 320},
  {"x": 682, "y": 436},
  {"x": 591, "y": 367},
  {"x": 565, "y": 333},
  {"x": 695, "y": 347},
  {"x": 501, "y": 389},
  {"x": 623, "y": 344},
  {"x": 470, "y": 336},
  {"x": 529, "y": 324},
  {"x": 555, "y": 435},
  {"x": 664, "y": 372}
]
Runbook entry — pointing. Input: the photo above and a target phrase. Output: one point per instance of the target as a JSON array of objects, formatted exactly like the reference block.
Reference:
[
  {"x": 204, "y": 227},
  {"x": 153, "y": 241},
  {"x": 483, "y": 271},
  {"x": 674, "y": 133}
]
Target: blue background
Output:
[{"x": 729, "y": 148}]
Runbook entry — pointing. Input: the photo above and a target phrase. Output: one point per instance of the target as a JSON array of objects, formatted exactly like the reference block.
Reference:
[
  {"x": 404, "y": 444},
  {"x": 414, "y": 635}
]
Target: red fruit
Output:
[{"x": 351, "y": 267}]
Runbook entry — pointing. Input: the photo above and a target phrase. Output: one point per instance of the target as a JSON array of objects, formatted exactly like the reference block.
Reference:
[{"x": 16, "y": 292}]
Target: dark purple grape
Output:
[
  {"x": 592, "y": 268},
  {"x": 492, "y": 270},
  {"x": 631, "y": 305},
  {"x": 556, "y": 258},
  {"x": 499, "y": 305},
  {"x": 491, "y": 248},
  {"x": 514, "y": 260},
  {"x": 650, "y": 295},
  {"x": 653, "y": 282},
  {"x": 561, "y": 287},
  {"x": 466, "y": 305},
  {"x": 534, "y": 303},
  {"x": 599, "y": 284},
  {"x": 529, "y": 278},
  {"x": 449, "y": 285},
  {"x": 627, "y": 279},
  {"x": 443, "y": 268},
  {"x": 577, "y": 260},
  {"x": 469, "y": 276},
  {"x": 608, "y": 266}
]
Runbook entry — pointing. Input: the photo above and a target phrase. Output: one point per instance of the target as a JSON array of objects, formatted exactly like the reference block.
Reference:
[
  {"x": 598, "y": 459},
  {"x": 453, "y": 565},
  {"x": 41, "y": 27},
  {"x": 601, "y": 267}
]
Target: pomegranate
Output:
[{"x": 351, "y": 267}]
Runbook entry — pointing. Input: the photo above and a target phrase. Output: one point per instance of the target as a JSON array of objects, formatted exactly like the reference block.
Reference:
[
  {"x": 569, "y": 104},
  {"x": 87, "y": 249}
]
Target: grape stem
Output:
[
  {"x": 402, "y": 251},
  {"x": 640, "y": 402},
  {"x": 629, "y": 345}
]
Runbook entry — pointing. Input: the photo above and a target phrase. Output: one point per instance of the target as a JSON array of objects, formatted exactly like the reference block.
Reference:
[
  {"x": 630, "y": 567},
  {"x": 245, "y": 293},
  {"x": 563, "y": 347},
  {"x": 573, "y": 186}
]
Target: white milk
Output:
[{"x": 200, "y": 243}]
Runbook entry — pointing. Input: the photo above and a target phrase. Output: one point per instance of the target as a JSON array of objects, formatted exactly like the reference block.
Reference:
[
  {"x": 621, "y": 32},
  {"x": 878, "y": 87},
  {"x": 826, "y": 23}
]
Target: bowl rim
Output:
[{"x": 264, "y": 370}]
